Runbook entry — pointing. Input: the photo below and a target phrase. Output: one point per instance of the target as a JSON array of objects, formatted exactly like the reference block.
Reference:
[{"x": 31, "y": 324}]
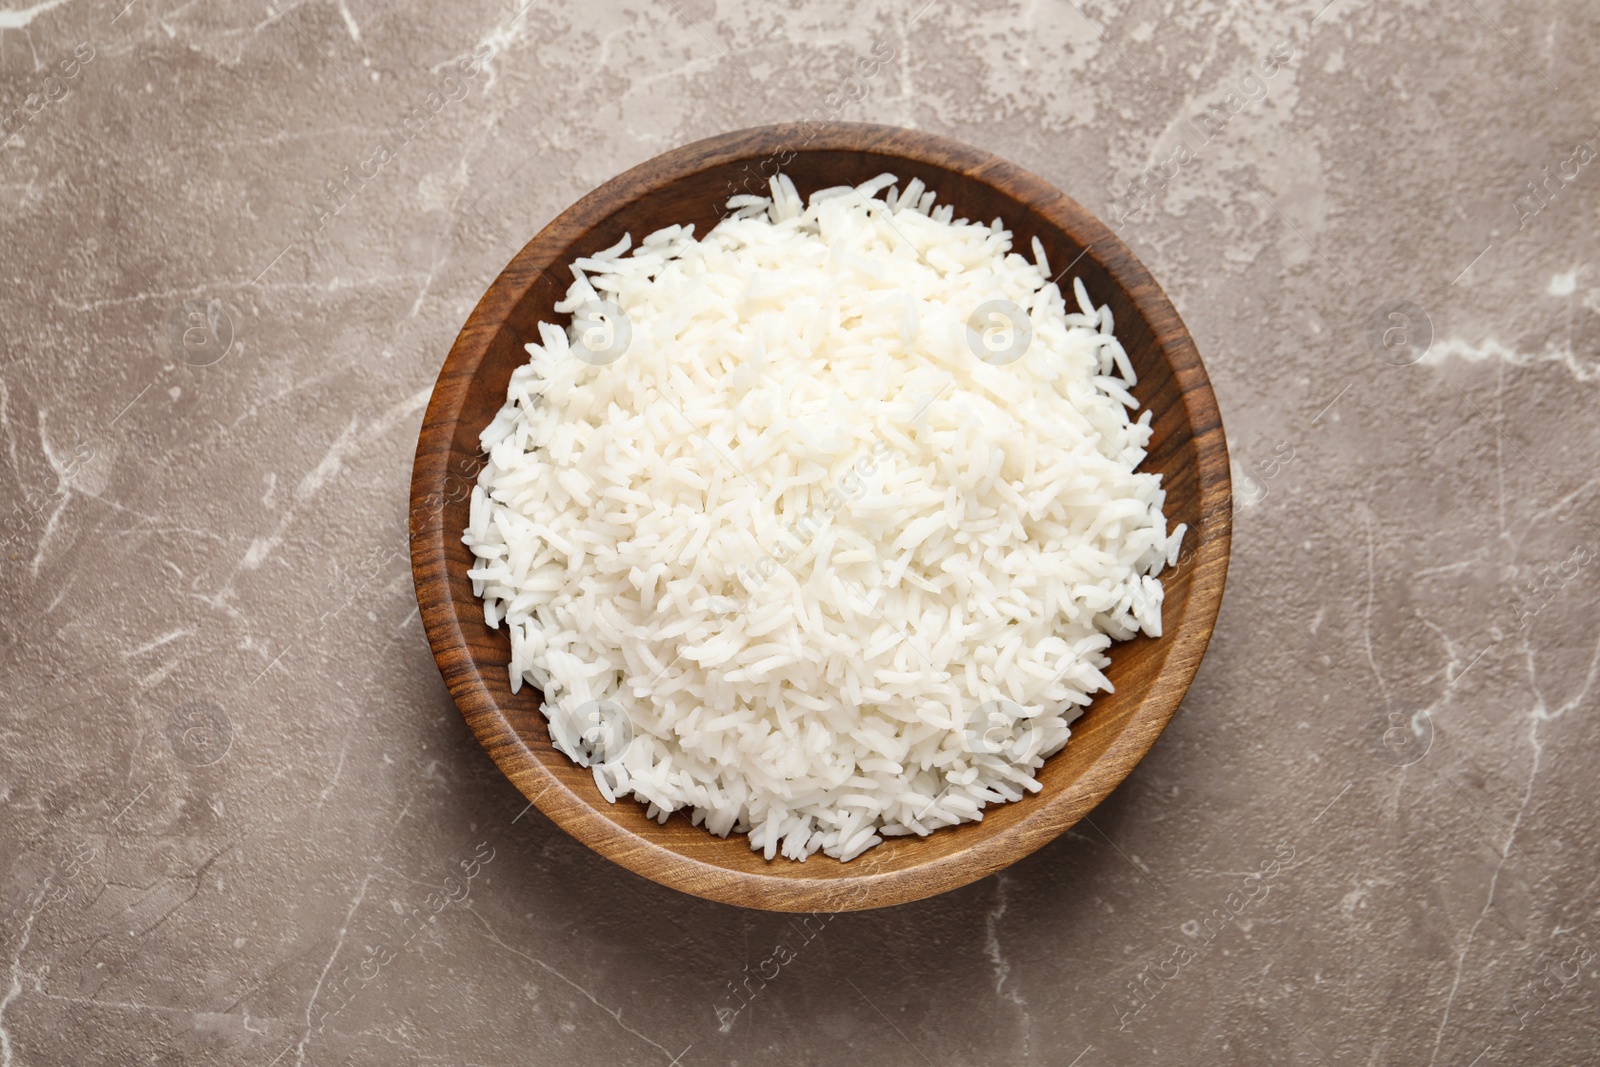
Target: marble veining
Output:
[{"x": 243, "y": 823}]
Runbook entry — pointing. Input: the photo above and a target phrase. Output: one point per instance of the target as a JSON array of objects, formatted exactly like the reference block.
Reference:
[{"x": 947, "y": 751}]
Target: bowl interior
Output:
[{"x": 692, "y": 186}]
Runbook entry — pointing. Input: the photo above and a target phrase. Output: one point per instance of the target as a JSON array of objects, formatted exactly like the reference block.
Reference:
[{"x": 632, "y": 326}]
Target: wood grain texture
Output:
[{"x": 692, "y": 184}]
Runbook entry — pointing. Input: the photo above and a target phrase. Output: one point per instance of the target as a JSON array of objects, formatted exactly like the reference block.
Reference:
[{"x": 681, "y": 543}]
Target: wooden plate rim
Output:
[{"x": 1189, "y": 633}]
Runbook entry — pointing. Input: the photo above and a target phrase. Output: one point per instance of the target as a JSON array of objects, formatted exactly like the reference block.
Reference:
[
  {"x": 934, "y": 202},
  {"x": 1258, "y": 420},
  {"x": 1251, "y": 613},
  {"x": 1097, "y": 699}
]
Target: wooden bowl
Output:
[{"x": 692, "y": 184}]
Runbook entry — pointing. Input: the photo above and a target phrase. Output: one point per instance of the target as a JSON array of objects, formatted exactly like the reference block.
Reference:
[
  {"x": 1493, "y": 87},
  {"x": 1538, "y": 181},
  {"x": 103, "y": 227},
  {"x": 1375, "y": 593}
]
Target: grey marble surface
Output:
[{"x": 243, "y": 823}]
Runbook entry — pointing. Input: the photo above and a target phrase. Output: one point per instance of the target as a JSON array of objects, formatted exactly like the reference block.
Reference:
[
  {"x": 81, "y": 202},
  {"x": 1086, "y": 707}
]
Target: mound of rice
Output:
[{"x": 782, "y": 550}]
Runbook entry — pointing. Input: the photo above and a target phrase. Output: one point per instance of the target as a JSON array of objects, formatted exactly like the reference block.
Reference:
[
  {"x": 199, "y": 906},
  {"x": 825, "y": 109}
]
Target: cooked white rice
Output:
[{"x": 835, "y": 576}]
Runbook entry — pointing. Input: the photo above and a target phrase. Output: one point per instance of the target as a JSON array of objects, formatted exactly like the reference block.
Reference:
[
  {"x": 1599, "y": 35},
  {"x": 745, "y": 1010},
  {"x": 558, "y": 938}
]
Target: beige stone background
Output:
[{"x": 234, "y": 787}]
